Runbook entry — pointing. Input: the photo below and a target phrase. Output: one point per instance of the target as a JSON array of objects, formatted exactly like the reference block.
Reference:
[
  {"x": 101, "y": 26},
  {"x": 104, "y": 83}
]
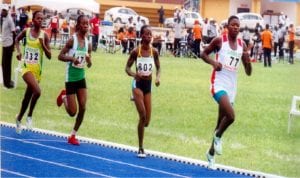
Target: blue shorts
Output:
[{"x": 217, "y": 96}]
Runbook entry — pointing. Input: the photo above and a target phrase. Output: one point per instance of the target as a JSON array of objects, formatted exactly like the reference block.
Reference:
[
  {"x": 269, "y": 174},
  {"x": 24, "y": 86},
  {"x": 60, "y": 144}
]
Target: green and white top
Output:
[{"x": 76, "y": 72}]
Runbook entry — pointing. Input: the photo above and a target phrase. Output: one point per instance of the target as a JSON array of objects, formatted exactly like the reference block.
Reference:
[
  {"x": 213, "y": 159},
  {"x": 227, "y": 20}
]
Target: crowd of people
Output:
[{"x": 144, "y": 49}]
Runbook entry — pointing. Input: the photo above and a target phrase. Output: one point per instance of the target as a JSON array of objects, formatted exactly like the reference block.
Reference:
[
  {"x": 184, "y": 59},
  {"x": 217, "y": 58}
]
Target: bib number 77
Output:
[{"x": 234, "y": 61}]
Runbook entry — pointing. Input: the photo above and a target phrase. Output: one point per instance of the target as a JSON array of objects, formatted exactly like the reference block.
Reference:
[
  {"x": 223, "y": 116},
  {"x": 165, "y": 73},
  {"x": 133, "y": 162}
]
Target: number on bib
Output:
[
  {"x": 80, "y": 56},
  {"x": 32, "y": 55}
]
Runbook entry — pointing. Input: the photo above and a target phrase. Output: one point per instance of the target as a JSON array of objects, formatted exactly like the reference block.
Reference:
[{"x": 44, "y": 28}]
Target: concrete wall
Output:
[
  {"x": 234, "y": 5},
  {"x": 288, "y": 8},
  {"x": 217, "y": 9}
]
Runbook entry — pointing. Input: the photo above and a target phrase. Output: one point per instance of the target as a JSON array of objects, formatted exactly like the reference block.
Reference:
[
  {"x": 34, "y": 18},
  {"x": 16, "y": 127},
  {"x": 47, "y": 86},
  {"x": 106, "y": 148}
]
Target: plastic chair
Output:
[{"x": 294, "y": 111}]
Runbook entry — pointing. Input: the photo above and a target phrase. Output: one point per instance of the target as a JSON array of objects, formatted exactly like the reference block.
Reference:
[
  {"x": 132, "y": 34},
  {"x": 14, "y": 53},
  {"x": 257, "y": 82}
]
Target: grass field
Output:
[{"x": 184, "y": 114}]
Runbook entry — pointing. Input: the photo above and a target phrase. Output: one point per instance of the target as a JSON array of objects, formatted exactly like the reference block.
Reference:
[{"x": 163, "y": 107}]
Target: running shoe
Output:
[
  {"x": 141, "y": 153},
  {"x": 29, "y": 123},
  {"x": 72, "y": 140},
  {"x": 59, "y": 99},
  {"x": 211, "y": 161},
  {"x": 217, "y": 145},
  {"x": 18, "y": 127}
]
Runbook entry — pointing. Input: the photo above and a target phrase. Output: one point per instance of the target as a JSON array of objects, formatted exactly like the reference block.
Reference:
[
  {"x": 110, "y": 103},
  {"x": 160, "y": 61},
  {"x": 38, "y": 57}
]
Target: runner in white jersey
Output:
[
  {"x": 146, "y": 58},
  {"x": 230, "y": 51}
]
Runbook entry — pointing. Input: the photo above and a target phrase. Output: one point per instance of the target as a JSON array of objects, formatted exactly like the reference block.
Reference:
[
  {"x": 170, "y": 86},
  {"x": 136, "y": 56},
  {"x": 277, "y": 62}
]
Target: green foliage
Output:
[{"x": 183, "y": 112}]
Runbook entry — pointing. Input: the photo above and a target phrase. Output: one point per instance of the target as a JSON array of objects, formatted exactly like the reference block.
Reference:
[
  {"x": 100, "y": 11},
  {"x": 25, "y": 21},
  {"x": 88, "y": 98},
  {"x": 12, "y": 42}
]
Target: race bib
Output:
[
  {"x": 145, "y": 65},
  {"x": 31, "y": 55},
  {"x": 232, "y": 61},
  {"x": 80, "y": 56}
]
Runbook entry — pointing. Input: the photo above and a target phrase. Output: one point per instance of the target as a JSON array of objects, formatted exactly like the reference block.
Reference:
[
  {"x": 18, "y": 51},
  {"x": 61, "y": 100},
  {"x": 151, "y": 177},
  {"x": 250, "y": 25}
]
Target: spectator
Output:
[
  {"x": 8, "y": 36},
  {"x": 197, "y": 30},
  {"x": 13, "y": 14},
  {"x": 121, "y": 36},
  {"x": 246, "y": 35},
  {"x": 282, "y": 33},
  {"x": 68, "y": 15},
  {"x": 282, "y": 19},
  {"x": 204, "y": 31},
  {"x": 176, "y": 14},
  {"x": 161, "y": 18},
  {"x": 130, "y": 23},
  {"x": 225, "y": 29},
  {"x": 181, "y": 14},
  {"x": 266, "y": 38},
  {"x": 131, "y": 36},
  {"x": 212, "y": 30},
  {"x": 95, "y": 22},
  {"x": 291, "y": 32},
  {"x": 54, "y": 24},
  {"x": 168, "y": 40},
  {"x": 258, "y": 27},
  {"x": 275, "y": 40},
  {"x": 138, "y": 26},
  {"x": 178, "y": 34},
  {"x": 256, "y": 49},
  {"x": 23, "y": 19},
  {"x": 29, "y": 13},
  {"x": 157, "y": 42}
]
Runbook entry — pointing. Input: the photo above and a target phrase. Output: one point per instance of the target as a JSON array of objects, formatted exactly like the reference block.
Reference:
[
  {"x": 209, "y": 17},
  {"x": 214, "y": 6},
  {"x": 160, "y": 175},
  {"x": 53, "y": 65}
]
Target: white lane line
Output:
[
  {"x": 15, "y": 173},
  {"x": 98, "y": 157},
  {"x": 56, "y": 164}
]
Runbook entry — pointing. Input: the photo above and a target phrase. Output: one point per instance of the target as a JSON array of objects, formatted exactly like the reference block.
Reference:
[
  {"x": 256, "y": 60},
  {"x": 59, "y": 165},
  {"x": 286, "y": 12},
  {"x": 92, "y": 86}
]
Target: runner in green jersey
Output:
[{"x": 76, "y": 54}]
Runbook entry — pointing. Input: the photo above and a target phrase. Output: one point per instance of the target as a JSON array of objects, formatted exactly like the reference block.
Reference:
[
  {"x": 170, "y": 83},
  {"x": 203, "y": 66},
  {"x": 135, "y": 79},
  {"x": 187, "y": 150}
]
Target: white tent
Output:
[{"x": 60, "y": 5}]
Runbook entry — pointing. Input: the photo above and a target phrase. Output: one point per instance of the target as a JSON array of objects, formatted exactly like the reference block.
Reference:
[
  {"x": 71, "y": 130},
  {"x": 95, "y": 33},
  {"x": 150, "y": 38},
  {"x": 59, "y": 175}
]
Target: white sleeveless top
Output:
[
  {"x": 145, "y": 65},
  {"x": 226, "y": 79}
]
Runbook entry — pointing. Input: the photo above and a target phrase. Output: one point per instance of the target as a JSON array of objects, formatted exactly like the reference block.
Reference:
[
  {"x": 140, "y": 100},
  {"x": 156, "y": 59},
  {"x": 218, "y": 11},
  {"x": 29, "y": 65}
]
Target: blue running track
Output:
[{"x": 34, "y": 154}]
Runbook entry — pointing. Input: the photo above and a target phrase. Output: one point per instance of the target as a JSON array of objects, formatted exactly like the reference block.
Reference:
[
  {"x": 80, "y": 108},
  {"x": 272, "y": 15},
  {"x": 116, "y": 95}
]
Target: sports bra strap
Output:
[{"x": 140, "y": 54}]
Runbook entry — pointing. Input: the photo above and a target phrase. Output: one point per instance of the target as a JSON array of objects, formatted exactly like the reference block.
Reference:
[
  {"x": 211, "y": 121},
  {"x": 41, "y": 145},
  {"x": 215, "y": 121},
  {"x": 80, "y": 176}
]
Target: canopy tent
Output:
[{"x": 60, "y": 5}]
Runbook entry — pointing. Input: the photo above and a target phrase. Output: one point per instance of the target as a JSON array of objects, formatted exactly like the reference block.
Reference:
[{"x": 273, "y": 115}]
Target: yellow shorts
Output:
[{"x": 34, "y": 69}]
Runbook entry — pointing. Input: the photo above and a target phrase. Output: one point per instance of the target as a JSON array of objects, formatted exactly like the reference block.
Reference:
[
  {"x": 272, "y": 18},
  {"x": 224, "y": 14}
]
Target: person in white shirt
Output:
[
  {"x": 275, "y": 40},
  {"x": 8, "y": 33},
  {"x": 178, "y": 34},
  {"x": 138, "y": 26},
  {"x": 204, "y": 31},
  {"x": 246, "y": 35}
]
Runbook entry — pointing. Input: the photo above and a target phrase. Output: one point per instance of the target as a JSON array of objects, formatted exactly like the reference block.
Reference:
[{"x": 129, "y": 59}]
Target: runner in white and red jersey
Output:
[{"x": 230, "y": 51}]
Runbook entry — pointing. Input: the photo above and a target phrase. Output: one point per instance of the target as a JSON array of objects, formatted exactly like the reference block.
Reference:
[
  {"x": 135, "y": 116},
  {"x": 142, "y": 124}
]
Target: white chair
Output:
[{"x": 295, "y": 111}]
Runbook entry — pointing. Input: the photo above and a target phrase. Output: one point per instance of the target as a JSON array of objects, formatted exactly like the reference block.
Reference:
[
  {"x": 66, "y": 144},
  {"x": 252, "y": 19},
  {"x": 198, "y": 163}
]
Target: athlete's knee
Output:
[
  {"x": 230, "y": 117},
  {"x": 147, "y": 123},
  {"x": 37, "y": 93},
  {"x": 72, "y": 112}
]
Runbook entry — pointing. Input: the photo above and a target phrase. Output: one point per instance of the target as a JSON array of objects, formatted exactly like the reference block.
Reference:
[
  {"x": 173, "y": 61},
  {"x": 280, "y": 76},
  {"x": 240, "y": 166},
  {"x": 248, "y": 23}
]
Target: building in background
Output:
[{"x": 217, "y": 9}]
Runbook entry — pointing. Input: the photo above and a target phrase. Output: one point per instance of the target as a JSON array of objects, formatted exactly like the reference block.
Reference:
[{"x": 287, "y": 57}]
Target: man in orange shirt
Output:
[
  {"x": 266, "y": 38},
  {"x": 197, "y": 30},
  {"x": 291, "y": 32}
]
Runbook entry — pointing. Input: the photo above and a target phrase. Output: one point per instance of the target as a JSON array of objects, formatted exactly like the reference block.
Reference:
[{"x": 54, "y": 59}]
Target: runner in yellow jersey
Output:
[{"x": 37, "y": 43}]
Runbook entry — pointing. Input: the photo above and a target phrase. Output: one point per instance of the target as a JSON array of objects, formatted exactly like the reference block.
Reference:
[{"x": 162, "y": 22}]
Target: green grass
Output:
[{"x": 184, "y": 114}]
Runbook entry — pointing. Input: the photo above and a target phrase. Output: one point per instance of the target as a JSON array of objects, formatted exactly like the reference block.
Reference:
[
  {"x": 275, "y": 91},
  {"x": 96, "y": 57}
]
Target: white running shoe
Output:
[
  {"x": 217, "y": 145},
  {"x": 211, "y": 161},
  {"x": 29, "y": 123},
  {"x": 18, "y": 127},
  {"x": 141, "y": 153}
]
